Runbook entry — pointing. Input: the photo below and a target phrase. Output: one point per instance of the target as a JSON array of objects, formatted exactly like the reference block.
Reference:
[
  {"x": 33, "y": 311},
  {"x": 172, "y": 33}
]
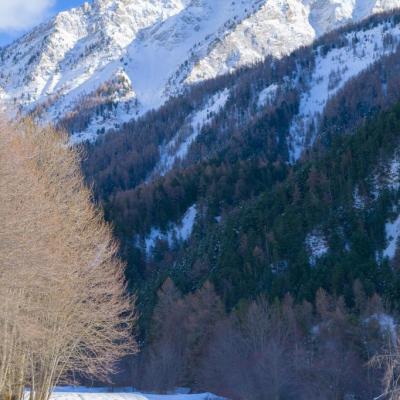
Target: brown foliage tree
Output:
[{"x": 63, "y": 303}]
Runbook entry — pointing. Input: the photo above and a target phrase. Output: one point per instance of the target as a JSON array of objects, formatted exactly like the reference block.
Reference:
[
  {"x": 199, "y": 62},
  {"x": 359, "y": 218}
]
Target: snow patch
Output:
[
  {"x": 267, "y": 95},
  {"x": 387, "y": 175},
  {"x": 386, "y": 323},
  {"x": 316, "y": 245},
  {"x": 176, "y": 233},
  {"x": 392, "y": 236},
  {"x": 97, "y": 395},
  {"x": 279, "y": 267},
  {"x": 358, "y": 200},
  {"x": 93, "y": 389}
]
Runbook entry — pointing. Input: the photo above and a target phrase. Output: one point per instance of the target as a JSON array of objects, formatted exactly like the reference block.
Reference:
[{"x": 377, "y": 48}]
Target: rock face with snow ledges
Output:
[{"x": 158, "y": 46}]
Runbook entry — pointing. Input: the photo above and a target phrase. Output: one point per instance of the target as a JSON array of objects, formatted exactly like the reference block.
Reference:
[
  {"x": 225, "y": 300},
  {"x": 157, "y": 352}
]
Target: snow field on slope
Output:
[
  {"x": 178, "y": 148},
  {"x": 332, "y": 71}
]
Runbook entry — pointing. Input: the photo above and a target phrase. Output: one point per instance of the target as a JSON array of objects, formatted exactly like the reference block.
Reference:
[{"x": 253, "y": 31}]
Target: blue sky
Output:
[{"x": 18, "y": 16}]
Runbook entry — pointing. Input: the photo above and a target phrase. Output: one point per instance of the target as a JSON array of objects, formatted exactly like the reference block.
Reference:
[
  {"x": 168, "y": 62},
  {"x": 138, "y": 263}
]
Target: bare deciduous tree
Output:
[
  {"x": 389, "y": 362},
  {"x": 63, "y": 303}
]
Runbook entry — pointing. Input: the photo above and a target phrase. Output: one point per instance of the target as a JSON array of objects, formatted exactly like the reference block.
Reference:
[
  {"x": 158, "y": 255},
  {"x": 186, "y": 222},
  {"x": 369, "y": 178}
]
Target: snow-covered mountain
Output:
[{"x": 112, "y": 60}]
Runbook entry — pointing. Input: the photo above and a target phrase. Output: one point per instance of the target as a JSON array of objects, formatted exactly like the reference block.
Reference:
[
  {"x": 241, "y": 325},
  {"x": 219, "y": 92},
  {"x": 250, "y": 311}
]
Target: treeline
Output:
[{"x": 265, "y": 350}]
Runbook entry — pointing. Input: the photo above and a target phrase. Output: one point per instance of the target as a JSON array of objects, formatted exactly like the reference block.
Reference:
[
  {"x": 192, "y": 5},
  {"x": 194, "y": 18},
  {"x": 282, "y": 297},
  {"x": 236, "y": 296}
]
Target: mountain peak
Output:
[{"x": 148, "y": 50}]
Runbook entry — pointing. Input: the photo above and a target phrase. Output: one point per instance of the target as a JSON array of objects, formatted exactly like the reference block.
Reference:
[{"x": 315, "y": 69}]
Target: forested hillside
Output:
[
  {"x": 276, "y": 109},
  {"x": 234, "y": 207},
  {"x": 267, "y": 227}
]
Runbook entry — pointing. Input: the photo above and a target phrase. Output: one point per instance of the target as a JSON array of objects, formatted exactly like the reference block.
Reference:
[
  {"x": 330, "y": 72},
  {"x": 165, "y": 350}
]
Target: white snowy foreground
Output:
[{"x": 99, "y": 394}]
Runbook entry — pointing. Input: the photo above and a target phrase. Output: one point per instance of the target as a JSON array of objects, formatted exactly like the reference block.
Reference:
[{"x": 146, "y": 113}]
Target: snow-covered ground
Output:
[
  {"x": 83, "y": 393},
  {"x": 128, "y": 396}
]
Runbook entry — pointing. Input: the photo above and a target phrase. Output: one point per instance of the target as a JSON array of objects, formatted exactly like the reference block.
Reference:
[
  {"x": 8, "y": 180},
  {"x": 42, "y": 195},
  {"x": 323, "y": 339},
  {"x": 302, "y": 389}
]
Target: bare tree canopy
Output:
[{"x": 63, "y": 303}]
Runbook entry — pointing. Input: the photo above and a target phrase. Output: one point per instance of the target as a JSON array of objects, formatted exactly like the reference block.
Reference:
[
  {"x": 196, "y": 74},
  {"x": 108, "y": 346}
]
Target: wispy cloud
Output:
[{"x": 19, "y": 15}]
